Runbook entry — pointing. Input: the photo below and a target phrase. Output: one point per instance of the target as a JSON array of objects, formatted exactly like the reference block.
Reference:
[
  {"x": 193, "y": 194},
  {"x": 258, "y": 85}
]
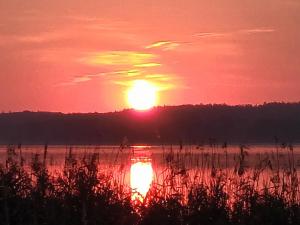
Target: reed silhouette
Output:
[{"x": 82, "y": 194}]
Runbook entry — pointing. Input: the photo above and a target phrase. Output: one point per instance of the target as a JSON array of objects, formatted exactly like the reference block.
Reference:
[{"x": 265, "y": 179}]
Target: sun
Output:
[{"x": 142, "y": 95}]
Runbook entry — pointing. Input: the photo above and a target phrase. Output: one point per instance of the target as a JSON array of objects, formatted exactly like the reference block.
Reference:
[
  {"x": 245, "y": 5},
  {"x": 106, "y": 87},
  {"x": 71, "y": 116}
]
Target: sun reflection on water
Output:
[{"x": 141, "y": 176}]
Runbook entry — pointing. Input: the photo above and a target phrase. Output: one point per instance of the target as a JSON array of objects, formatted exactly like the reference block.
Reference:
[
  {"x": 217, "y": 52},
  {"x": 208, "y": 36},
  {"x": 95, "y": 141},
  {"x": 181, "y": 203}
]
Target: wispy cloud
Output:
[
  {"x": 164, "y": 45},
  {"x": 123, "y": 67},
  {"x": 81, "y": 79},
  {"x": 148, "y": 65},
  {"x": 230, "y": 33},
  {"x": 162, "y": 82},
  {"x": 78, "y": 79},
  {"x": 209, "y": 34},
  {"x": 257, "y": 30},
  {"x": 160, "y": 77},
  {"x": 42, "y": 37},
  {"x": 119, "y": 58}
]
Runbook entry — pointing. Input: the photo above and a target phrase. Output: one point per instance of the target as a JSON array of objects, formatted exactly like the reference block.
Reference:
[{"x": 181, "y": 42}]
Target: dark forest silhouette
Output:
[{"x": 188, "y": 124}]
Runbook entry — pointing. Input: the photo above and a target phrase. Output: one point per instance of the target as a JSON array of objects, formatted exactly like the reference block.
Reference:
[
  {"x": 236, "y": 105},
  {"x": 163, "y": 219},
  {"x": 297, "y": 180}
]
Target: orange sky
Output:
[{"x": 81, "y": 55}]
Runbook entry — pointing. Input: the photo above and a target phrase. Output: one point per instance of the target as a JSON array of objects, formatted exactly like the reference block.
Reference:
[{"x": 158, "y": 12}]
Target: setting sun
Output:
[{"x": 142, "y": 95}]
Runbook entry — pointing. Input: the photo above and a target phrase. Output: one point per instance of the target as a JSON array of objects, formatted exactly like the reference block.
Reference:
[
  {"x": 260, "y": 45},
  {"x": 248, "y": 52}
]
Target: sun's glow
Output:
[
  {"x": 141, "y": 176},
  {"x": 142, "y": 95}
]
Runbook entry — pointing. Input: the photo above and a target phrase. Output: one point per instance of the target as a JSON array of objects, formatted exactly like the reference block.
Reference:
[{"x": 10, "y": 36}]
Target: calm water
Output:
[{"x": 140, "y": 166}]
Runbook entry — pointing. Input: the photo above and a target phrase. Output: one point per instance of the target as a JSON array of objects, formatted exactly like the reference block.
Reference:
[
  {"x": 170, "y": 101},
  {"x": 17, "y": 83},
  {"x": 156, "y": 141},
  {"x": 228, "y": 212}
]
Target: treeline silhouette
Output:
[{"x": 188, "y": 124}]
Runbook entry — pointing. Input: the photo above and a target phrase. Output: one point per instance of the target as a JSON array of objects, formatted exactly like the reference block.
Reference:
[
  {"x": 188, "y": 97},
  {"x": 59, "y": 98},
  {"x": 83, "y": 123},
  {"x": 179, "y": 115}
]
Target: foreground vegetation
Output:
[{"x": 81, "y": 194}]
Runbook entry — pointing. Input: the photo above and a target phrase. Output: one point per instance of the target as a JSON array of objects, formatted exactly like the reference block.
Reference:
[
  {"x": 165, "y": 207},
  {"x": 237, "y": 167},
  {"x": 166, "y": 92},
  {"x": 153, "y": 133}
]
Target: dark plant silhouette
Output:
[{"x": 80, "y": 194}]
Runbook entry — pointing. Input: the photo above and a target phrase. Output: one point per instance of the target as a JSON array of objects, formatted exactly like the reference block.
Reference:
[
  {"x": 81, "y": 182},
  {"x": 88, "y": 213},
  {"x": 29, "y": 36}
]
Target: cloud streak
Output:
[
  {"x": 163, "y": 45},
  {"x": 119, "y": 58},
  {"x": 257, "y": 30},
  {"x": 125, "y": 66},
  {"x": 237, "y": 32}
]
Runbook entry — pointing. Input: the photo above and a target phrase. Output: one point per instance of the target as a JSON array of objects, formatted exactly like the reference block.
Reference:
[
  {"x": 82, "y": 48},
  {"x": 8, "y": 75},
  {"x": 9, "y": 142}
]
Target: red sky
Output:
[{"x": 81, "y": 55}]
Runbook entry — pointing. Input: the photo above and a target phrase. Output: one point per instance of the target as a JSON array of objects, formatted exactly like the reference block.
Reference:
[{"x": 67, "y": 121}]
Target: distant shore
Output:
[{"x": 187, "y": 125}]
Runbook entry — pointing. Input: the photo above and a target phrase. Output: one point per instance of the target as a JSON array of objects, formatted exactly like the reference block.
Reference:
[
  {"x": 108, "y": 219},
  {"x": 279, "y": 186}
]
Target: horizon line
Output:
[{"x": 153, "y": 108}]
